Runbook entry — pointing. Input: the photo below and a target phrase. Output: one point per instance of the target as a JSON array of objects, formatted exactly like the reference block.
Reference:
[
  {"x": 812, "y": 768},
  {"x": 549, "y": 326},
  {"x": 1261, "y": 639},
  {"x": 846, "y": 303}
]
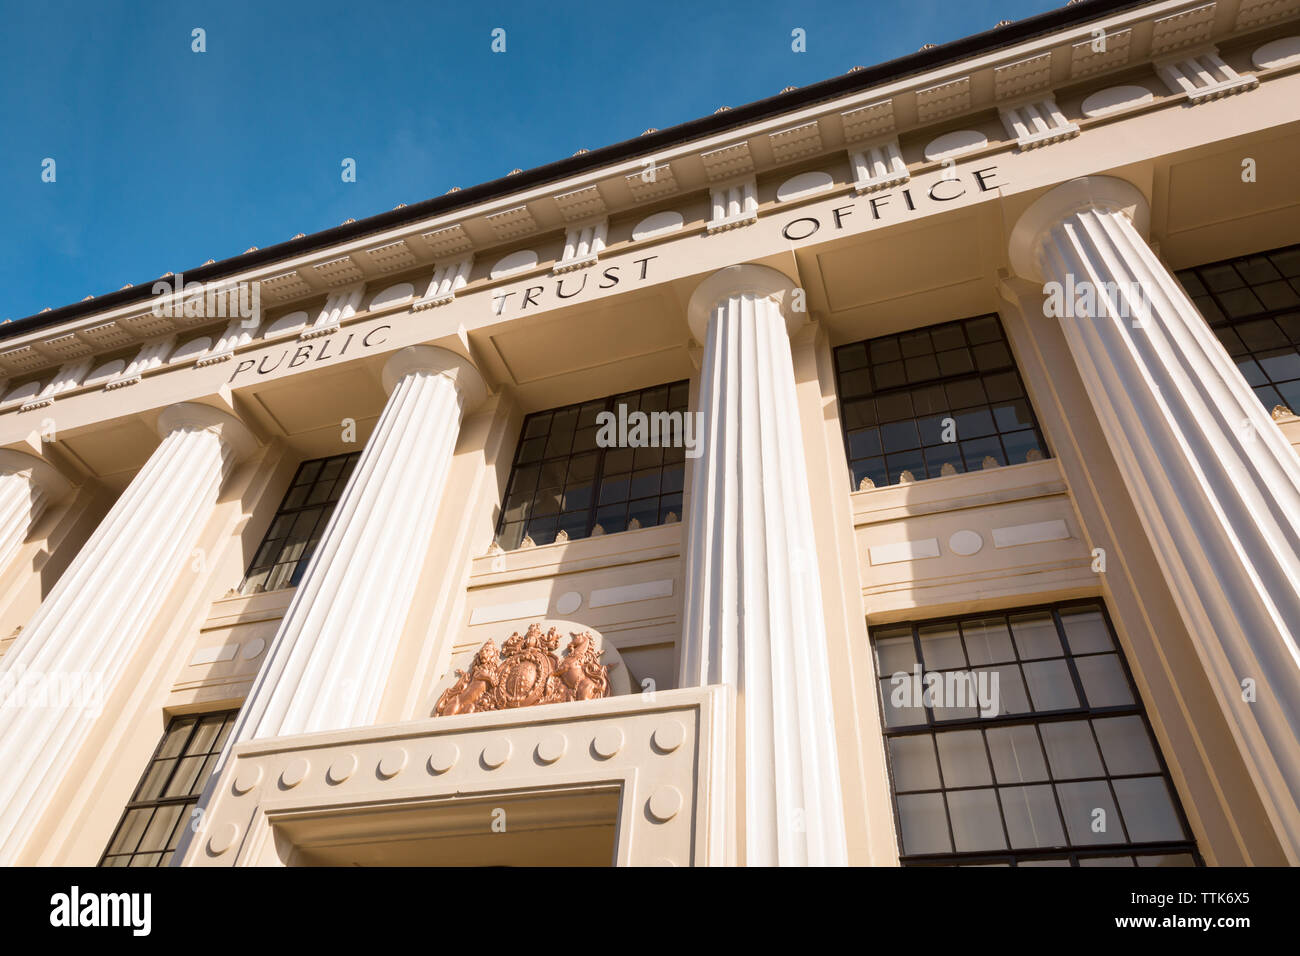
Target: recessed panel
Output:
[
  {"x": 300, "y": 403},
  {"x": 906, "y": 263},
  {"x": 565, "y": 343},
  {"x": 1208, "y": 191},
  {"x": 117, "y": 448}
]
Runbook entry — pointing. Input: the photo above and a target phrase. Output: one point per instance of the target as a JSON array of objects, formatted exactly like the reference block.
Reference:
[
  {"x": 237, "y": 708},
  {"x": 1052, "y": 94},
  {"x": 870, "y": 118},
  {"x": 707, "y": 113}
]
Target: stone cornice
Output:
[
  {"x": 544, "y": 209},
  {"x": 476, "y": 312}
]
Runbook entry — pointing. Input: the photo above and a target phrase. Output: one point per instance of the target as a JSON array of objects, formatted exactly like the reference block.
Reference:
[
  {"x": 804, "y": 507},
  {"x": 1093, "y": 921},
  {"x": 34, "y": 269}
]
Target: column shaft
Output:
[
  {"x": 81, "y": 639},
  {"x": 331, "y": 658},
  {"x": 753, "y": 614},
  {"x": 1215, "y": 483}
]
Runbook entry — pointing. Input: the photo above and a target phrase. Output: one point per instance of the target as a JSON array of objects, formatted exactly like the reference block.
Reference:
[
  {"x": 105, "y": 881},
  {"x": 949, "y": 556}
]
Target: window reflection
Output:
[{"x": 1063, "y": 770}]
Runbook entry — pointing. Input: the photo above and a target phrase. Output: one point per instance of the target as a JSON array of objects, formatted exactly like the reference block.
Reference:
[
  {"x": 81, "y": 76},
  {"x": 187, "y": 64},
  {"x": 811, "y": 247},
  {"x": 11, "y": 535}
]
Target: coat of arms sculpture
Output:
[{"x": 525, "y": 672}]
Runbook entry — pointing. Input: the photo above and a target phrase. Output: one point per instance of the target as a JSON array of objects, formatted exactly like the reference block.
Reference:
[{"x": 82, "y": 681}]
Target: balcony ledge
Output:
[{"x": 288, "y": 800}]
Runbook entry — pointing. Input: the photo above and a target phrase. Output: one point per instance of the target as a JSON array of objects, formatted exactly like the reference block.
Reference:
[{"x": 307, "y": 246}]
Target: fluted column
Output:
[
  {"x": 331, "y": 659},
  {"x": 93, "y": 622},
  {"x": 28, "y": 486},
  {"x": 754, "y": 615},
  {"x": 1214, "y": 481}
]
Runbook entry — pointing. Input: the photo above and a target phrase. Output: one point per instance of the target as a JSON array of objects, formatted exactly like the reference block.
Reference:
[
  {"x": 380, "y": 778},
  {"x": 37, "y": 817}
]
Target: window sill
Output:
[
  {"x": 1290, "y": 426},
  {"x": 582, "y": 554},
  {"x": 971, "y": 489},
  {"x": 249, "y": 608}
]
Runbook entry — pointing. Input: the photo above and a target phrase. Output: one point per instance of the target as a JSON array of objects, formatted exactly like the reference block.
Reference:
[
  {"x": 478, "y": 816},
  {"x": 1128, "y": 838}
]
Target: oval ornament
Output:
[
  {"x": 247, "y": 778},
  {"x": 496, "y": 753},
  {"x": 444, "y": 756},
  {"x": 1116, "y": 98},
  {"x": 955, "y": 143},
  {"x": 295, "y": 773},
  {"x": 608, "y": 741},
  {"x": 287, "y": 323},
  {"x": 105, "y": 372},
  {"x": 191, "y": 349},
  {"x": 392, "y": 763},
  {"x": 805, "y": 184},
  {"x": 965, "y": 542},
  {"x": 664, "y": 803},
  {"x": 669, "y": 735},
  {"x": 342, "y": 768},
  {"x": 1281, "y": 52},
  {"x": 551, "y": 747},
  {"x": 223, "y": 838},
  {"x": 661, "y": 223},
  {"x": 515, "y": 262},
  {"x": 394, "y": 293}
]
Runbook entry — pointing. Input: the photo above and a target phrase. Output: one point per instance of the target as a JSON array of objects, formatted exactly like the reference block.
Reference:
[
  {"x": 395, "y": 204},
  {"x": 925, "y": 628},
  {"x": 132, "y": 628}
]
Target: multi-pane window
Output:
[
  {"x": 1253, "y": 306},
  {"x": 934, "y": 401},
  {"x": 159, "y": 810},
  {"x": 564, "y": 481},
  {"x": 1018, "y": 739},
  {"x": 299, "y": 523}
]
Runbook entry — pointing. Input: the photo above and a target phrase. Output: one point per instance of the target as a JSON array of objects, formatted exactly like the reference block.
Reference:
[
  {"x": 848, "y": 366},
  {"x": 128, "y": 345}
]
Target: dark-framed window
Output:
[
  {"x": 160, "y": 809},
  {"x": 297, "y": 527},
  {"x": 934, "y": 401},
  {"x": 1252, "y": 304},
  {"x": 562, "y": 480},
  {"x": 1063, "y": 769}
]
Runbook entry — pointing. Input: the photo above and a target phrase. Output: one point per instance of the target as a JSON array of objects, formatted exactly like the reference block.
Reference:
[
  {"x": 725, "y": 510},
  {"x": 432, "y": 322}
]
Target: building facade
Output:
[{"x": 897, "y": 470}]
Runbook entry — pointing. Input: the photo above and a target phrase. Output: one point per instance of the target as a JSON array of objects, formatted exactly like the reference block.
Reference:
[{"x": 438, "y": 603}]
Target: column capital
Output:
[
  {"x": 233, "y": 433},
  {"x": 432, "y": 360},
  {"x": 1056, "y": 205},
  {"x": 41, "y": 473},
  {"x": 761, "y": 281}
]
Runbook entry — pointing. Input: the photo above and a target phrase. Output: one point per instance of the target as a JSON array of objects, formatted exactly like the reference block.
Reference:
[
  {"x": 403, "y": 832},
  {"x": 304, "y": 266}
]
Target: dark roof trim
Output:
[{"x": 967, "y": 47}]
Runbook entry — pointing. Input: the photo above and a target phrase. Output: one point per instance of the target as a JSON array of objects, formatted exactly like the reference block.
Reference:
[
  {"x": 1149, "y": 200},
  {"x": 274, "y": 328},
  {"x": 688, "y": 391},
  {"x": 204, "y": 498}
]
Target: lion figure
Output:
[
  {"x": 580, "y": 675},
  {"x": 470, "y": 694}
]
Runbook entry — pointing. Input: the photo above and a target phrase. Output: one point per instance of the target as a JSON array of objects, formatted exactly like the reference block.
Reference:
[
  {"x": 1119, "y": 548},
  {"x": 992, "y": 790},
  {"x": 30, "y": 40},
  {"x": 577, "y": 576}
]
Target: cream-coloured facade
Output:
[{"x": 403, "y": 412}]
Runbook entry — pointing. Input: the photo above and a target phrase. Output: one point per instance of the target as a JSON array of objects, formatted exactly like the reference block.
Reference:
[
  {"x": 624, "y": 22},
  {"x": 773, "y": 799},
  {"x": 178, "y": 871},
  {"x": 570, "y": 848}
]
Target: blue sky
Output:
[{"x": 166, "y": 157}]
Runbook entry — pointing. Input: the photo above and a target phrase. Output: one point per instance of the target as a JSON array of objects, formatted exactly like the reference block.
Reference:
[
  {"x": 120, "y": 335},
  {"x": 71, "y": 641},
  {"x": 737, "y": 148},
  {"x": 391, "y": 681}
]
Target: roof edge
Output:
[{"x": 977, "y": 44}]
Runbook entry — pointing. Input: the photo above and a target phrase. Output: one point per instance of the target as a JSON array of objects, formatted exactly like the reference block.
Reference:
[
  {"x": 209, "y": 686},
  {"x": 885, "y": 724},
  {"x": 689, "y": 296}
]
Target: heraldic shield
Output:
[{"x": 526, "y": 671}]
